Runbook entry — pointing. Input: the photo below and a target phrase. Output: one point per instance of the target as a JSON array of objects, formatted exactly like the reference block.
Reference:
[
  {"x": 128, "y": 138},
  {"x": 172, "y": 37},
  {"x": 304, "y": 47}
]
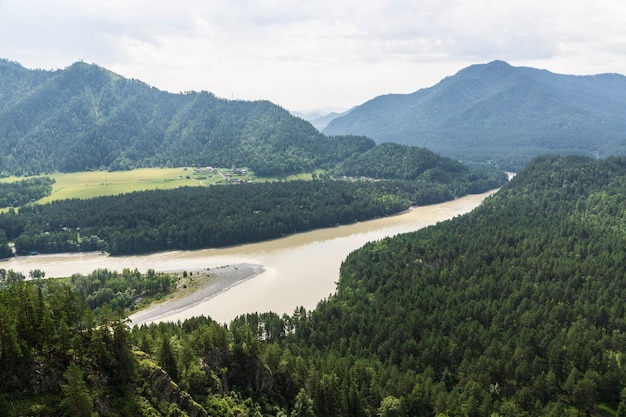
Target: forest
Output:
[
  {"x": 514, "y": 309},
  {"x": 401, "y": 162},
  {"x": 202, "y": 217},
  {"x": 58, "y": 359},
  {"x": 19, "y": 193}
]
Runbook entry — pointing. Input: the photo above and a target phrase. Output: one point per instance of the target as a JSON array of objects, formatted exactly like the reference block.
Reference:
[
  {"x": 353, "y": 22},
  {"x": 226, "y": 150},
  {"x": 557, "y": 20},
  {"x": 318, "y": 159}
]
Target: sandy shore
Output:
[{"x": 208, "y": 283}]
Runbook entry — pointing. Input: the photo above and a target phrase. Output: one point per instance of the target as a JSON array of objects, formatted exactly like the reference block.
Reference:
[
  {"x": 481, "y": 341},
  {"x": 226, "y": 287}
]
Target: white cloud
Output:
[{"x": 307, "y": 54}]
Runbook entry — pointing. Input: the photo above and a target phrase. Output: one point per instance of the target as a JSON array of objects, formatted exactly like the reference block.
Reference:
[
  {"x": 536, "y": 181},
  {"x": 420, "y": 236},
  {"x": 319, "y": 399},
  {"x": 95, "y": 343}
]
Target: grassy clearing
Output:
[
  {"x": 91, "y": 184},
  {"x": 99, "y": 183}
]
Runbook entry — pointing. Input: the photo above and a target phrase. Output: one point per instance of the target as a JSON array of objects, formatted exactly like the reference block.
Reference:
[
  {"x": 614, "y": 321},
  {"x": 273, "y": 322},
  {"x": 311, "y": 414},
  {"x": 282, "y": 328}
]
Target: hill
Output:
[
  {"x": 516, "y": 306},
  {"x": 85, "y": 117},
  {"x": 499, "y": 114}
]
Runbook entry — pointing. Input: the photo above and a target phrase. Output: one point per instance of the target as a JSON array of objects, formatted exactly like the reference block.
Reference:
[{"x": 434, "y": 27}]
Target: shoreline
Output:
[{"x": 211, "y": 282}]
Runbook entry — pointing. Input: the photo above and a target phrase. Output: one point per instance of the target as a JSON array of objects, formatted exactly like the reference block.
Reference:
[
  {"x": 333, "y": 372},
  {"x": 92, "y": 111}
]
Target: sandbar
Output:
[{"x": 210, "y": 282}]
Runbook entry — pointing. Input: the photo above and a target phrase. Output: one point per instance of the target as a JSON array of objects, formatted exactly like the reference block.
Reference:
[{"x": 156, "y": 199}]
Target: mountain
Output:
[
  {"x": 86, "y": 117},
  {"x": 499, "y": 114},
  {"x": 320, "y": 120}
]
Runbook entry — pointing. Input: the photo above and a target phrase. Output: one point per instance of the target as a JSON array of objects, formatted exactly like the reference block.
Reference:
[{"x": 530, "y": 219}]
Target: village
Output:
[{"x": 230, "y": 176}]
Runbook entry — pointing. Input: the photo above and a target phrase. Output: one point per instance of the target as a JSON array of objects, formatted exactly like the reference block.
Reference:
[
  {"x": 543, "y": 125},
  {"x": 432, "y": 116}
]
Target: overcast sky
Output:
[{"x": 312, "y": 54}]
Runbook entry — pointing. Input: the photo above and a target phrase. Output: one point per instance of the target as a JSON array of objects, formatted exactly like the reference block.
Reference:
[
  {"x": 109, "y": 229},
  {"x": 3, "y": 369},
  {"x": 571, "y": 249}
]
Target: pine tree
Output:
[
  {"x": 303, "y": 406},
  {"x": 167, "y": 359},
  {"x": 77, "y": 401}
]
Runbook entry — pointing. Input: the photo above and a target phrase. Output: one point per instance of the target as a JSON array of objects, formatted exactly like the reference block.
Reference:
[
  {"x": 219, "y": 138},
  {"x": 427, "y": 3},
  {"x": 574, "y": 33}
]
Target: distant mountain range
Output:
[
  {"x": 320, "y": 120},
  {"x": 85, "y": 117},
  {"x": 499, "y": 114}
]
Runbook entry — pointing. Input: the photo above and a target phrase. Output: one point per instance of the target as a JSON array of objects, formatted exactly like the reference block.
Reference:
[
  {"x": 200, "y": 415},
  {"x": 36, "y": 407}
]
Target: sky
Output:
[{"x": 309, "y": 55}]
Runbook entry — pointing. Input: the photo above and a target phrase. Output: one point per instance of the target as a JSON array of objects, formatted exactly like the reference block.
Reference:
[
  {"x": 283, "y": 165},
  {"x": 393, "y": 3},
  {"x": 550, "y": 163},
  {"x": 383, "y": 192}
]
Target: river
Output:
[{"x": 299, "y": 270}]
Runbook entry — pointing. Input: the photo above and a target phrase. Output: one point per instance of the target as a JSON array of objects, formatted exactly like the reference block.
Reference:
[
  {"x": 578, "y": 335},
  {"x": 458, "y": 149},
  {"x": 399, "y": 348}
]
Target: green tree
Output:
[
  {"x": 391, "y": 406},
  {"x": 167, "y": 360},
  {"x": 36, "y": 274},
  {"x": 77, "y": 401},
  {"x": 303, "y": 406}
]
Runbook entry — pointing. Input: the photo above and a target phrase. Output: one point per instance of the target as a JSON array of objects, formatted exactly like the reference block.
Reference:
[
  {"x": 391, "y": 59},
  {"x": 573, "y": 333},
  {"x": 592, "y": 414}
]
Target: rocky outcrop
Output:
[{"x": 164, "y": 389}]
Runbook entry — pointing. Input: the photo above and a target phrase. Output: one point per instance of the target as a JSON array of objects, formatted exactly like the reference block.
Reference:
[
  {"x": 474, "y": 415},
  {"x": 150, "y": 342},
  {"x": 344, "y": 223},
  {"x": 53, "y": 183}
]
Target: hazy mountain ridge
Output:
[
  {"x": 496, "y": 112},
  {"x": 321, "y": 119}
]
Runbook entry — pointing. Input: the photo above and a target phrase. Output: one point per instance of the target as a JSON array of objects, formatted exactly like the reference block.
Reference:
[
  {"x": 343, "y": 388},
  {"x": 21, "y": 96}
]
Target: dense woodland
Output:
[
  {"x": 58, "y": 359},
  {"x": 124, "y": 290},
  {"x": 201, "y": 217},
  {"x": 515, "y": 309},
  {"x": 402, "y": 162},
  {"x": 19, "y": 193}
]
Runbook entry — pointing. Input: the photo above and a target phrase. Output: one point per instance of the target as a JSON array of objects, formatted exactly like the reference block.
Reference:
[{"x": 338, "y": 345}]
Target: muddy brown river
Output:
[{"x": 298, "y": 270}]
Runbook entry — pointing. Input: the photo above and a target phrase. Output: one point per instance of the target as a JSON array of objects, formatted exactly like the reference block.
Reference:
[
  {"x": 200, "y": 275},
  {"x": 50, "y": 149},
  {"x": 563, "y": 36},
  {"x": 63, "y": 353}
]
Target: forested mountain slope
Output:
[
  {"x": 401, "y": 162},
  {"x": 519, "y": 305},
  {"x": 58, "y": 359},
  {"x": 86, "y": 117},
  {"x": 499, "y": 114}
]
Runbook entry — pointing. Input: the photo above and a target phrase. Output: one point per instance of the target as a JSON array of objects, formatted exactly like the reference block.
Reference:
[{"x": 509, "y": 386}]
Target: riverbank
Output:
[{"x": 207, "y": 283}]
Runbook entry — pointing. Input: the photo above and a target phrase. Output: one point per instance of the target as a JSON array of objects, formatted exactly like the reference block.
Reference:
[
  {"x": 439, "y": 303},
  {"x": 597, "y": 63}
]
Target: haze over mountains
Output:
[
  {"x": 320, "y": 119},
  {"x": 499, "y": 114}
]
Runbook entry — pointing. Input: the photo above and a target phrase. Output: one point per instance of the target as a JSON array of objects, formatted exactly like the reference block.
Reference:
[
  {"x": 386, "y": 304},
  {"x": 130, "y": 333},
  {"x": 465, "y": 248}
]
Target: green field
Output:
[
  {"x": 91, "y": 184},
  {"x": 99, "y": 183}
]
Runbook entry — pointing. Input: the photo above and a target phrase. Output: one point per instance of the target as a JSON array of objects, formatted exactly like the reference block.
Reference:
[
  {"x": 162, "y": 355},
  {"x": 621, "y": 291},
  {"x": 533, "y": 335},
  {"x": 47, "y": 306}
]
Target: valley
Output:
[
  {"x": 321, "y": 278},
  {"x": 299, "y": 270}
]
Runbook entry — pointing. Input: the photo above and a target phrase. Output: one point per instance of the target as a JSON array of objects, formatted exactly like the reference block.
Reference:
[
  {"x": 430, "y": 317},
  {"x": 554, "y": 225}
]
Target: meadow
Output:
[
  {"x": 101, "y": 183},
  {"x": 90, "y": 184}
]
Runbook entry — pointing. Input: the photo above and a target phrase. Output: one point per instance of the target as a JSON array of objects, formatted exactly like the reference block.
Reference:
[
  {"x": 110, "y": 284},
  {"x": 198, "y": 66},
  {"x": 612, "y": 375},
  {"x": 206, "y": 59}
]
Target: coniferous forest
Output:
[{"x": 515, "y": 309}]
